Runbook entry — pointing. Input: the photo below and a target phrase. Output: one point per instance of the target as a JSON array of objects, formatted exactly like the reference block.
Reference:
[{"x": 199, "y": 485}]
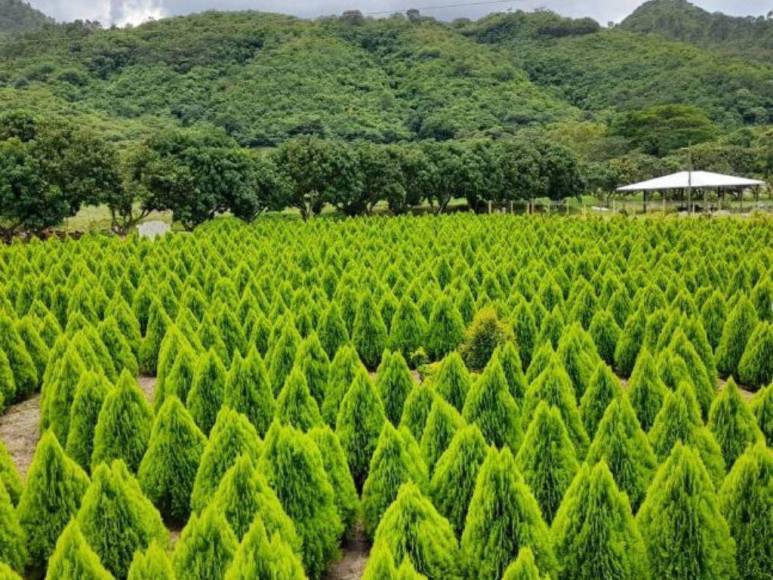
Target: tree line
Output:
[{"x": 49, "y": 170}]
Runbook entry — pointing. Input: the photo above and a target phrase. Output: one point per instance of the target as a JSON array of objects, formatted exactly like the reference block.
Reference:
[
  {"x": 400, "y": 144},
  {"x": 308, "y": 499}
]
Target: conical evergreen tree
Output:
[
  {"x": 315, "y": 365},
  {"x": 168, "y": 469},
  {"x": 7, "y": 384},
  {"x": 90, "y": 395},
  {"x": 684, "y": 532},
  {"x": 408, "y": 328},
  {"x": 22, "y": 366},
  {"x": 179, "y": 379},
  {"x": 381, "y": 565},
  {"x": 442, "y": 424},
  {"x": 369, "y": 334},
  {"x": 510, "y": 360},
  {"x": 554, "y": 387},
  {"x": 578, "y": 361},
  {"x": 525, "y": 331},
  {"x": 732, "y": 423},
  {"x": 260, "y": 558},
  {"x": 293, "y": 466},
  {"x": 630, "y": 342},
  {"x": 282, "y": 356},
  {"x": 333, "y": 333},
  {"x": 453, "y": 381},
  {"x": 543, "y": 357},
  {"x": 233, "y": 435},
  {"x": 738, "y": 328},
  {"x": 295, "y": 406},
  {"x": 594, "y": 531},
  {"x": 704, "y": 385},
  {"x": 173, "y": 342},
  {"x": 547, "y": 460},
  {"x": 58, "y": 393},
  {"x": 208, "y": 336},
  {"x": 206, "y": 395},
  {"x": 337, "y": 469},
  {"x": 158, "y": 323},
  {"x": 36, "y": 347},
  {"x": 55, "y": 486},
  {"x": 747, "y": 504},
  {"x": 116, "y": 519},
  {"x": 602, "y": 390},
  {"x": 606, "y": 334},
  {"x": 411, "y": 528},
  {"x": 713, "y": 313},
  {"x": 248, "y": 390},
  {"x": 152, "y": 564},
  {"x": 74, "y": 558},
  {"x": 345, "y": 366},
  {"x": 523, "y": 567},
  {"x": 358, "y": 426},
  {"x": 445, "y": 331},
  {"x": 230, "y": 330},
  {"x": 124, "y": 424},
  {"x": 416, "y": 409},
  {"x": 503, "y": 517},
  {"x": 551, "y": 328},
  {"x": 13, "y": 549},
  {"x": 645, "y": 389},
  {"x": 761, "y": 405},
  {"x": 9, "y": 477},
  {"x": 491, "y": 407},
  {"x": 393, "y": 383},
  {"x": 206, "y": 547},
  {"x": 755, "y": 368},
  {"x": 624, "y": 446}
]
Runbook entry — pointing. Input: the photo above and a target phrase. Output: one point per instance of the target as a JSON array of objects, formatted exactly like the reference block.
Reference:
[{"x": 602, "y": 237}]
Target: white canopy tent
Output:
[{"x": 689, "y": 180}]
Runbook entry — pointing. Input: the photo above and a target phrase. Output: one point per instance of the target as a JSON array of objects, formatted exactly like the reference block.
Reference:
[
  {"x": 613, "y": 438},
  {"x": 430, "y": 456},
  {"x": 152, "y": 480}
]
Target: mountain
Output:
[
  {"x": 17, "y": 16},
  {"x": 750, "y": 37}
]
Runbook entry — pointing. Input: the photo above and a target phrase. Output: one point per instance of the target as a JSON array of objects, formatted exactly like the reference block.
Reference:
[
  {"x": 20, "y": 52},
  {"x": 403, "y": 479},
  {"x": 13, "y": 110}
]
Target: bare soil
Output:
[
  {"x": 19, "y": 431},
  {"x": 354, "y": 558}
]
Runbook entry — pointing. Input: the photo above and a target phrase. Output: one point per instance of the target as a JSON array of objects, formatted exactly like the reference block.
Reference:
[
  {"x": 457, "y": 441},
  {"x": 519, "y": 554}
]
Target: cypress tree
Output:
[
  {"x": 13, "y": 549},
  {"x": 738, "y": 328},
  {"x": 293, "y": 466},
  {"x": 453, "y": 481},
  {"x": 116, "y": 519},
  {"x": 551, "y": 328},
  {"x": 416, "y": 409},
  {"x": 683, "y": 529},
  {"x": 624, "y": 446},
  {"x": 230, "y": 330},
  {"x": 412, "y": 528},
  {"x": 233, "y": 435},
  {"x": 124, "y": 424},
  {"x": 503, "y": 517},
  {"x": 90, "y": 395},
  {"x": 333, "y": 333},
  {"x": 761, "y": 405},
  {"x": 118, "y": 346},
  {"x": 453, "y": 380},
  {"x": 732, "y": 423},
  {"x": 158, "y": 323},
  {"x": 248, "y": 391},
  {"x": 22, "y": 366},
  {"x": 699, "y": 376},
  {"x": 206, "y": 547},
  {"x": 369, "y": 334},
  {"x": 442, "y": 424},
  {"x": 206, "y": 395},
  {"x": 525, "y": 331},
  {"x": 511, "y": 365},
  {"x": 490, "y": 406},
  {"x": 36, "y": 347},
  {"x": 578, "y": 362},
  {"x": 345, "y": 366},
  {"x": 74, "y": 558},
  {"x": 52, "y": 496},
  {"x": 359, "y": 423},
  {"x": 261, "y": 557},
  {"x": 168, "y": 469},
  {"x": 755, "y": 368},
  {"x": 408, "y": 328},
  {"x": 602, "y": 390},
  {"x": 630, "y": 342},
  {"x": 152, "y": 564},
  {"x": 542, "y": 359},
  {"x": 392, "y": 465},
  {"x": 645, "y": 389},
  {"x": 179, "y": 379},
  {"x": 678, "y": 422},
  {"x": 523, "y": 567},
  {"x": 58, "y": 394},
  {"x": 9, "y": 477},
  {"x": 547, "y": 460},
  {"x": 128, "y": 323},
  {"x": 244, "y": 495},
  {"x": 713, "y": 314},
  {"x": 315, "y": 365},
  {"x": 171, "y": 344},
  {"x": 606, "y": 334},
  {"x": 283, "y": 352},
  {"x": 381, "y": 566},
  {"x": 208, "y": 336},
  {"x": 481, "y": 339},
  {"x": 393, "y": 383},
  {"x": 7, "y": 384},
  {"x": 746, "y": 502},
  {"x": 445, "y": 331},
  {"x": 337, "y": 469},
  {"x": 295, "y": 406},
  {"x": 594, "y": 531},
  {"x": 554, "y": 387}
]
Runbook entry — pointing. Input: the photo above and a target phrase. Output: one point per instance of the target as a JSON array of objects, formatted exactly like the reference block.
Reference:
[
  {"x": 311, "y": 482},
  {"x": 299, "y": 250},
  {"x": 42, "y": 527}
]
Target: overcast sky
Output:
[{"x": 137, "y": 11}]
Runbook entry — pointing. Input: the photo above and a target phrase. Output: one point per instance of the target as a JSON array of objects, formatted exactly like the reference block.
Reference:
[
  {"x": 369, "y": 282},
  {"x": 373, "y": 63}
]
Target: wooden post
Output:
[
  {"x": 663, "y": 194},
  {"x": 705, "y": 201},
  {"x": 644, "y": 204}
]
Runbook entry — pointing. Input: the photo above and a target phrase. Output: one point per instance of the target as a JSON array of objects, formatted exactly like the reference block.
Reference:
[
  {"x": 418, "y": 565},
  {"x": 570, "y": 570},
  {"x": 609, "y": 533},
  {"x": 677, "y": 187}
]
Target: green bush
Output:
[
  {"x": 247, "y": 390},
  {"x": 344, "y": 368},
  {"x": 755, "y": 368},
  {"x": 9, "y": 477},
  {"x": 683, "y": 529},
  {"x": 369, "y": 334},
  {"x": 168, "y": 469},
  {"x": 523, "y": 567},
  {"x": 482, "y": 338},
  {"x": 445, "y": 330},
  {"x": 25, "y": 374},
  {"x": 90, "y": 395},
  {"x": 179, "y": 380},
  {"x": 606, "y": 334},
  {"x": 736, "y": 332},
  {"x": 453, "y": 381},
  {"x": 408, "y": 329},
  {"x": 333, "y": 333},
  {"x": 206, "y": 547},
  {"x": 315, "y": 365},
  {"x": 59, "y": 391},
  {"x": 152, "y": 564},
  {"x": 74, "y": 558},
  {"x": 261, "y": 557},
  {"x": 442, "y": 424},
  {"x": 761, "y": 405},
  {"x": 282, "y": 355},
  {"x": 732, "y": 423},
  {"x": 295, "y": 406},
  {"x": 511, "y": 365},
  {"x": 604, "y": 387},
  {"x": 393, "y": 383},
  {"x": 630, "y": 342},
  {"x": 713, "y": 313},
  {"x": 206, "y": 395},
  {"x": 13, "y": 548},
  {"x": 416, "y": 409},
  {"x": 158, "y": 323},
  {"x": 646, "y": 391}
]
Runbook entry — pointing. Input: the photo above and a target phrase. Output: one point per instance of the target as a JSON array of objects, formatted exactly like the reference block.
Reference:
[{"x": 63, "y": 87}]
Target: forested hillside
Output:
[{"x": 17, "y": 16}]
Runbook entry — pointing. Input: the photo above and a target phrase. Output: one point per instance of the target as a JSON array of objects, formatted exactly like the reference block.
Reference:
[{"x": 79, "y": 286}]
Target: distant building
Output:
[{"x": 152, "y": 229}]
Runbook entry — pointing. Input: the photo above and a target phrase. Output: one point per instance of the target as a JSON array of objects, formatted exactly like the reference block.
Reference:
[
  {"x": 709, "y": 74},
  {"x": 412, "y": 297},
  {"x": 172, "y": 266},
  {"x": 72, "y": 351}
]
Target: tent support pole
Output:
[{"x": 645, "y": 201}]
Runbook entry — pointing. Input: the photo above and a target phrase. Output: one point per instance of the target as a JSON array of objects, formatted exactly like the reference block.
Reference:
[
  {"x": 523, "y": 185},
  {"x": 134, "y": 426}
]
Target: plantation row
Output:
[{"x": 287, "y": 410}]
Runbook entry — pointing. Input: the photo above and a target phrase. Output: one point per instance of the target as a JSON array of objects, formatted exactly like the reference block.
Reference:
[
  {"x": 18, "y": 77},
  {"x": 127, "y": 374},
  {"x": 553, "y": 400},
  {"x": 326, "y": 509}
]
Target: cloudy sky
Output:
[{"x": 136, "y": 11}]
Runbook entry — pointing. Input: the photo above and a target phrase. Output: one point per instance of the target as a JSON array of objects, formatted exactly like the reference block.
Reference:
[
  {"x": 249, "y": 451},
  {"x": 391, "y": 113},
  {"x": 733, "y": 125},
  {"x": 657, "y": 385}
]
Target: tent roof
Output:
[{"x": 685, "y": 179}]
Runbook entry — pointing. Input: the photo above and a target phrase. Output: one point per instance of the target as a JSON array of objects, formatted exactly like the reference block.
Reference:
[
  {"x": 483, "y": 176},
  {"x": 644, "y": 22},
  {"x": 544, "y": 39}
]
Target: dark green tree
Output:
[{"x": 482, "y": 338}]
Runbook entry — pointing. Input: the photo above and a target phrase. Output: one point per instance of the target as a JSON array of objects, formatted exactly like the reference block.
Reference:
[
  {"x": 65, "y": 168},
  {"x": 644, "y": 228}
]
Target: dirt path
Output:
[
  {"x": 19, "y": 431},
  {"x": 354, "y": 559}
]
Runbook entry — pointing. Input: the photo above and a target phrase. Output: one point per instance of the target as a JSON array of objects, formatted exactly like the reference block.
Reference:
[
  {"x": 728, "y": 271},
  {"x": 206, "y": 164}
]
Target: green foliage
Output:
[
  {"x": 761, "y": 405},
  {"x": 739, "y": 326},
  {"x": 755, "y": 368},
  {"x": 646, "y": 391},
  {"x": 523, "y": 567},
  {"x": 261, "y": 557},
  {"x": 604, "y": 388},
  {"x": 168, "y": 468},
  {"x": 345, "y": 367},
  {"x": 315, "y": 364},
  {"x": 9, "y": 477},
  {"x": 13, "y": 549},
  {"x": 732, "y": 423},
  {"x": 206, "y": 395},
  {"x": 511, "y": 365},
  {"x": 445, "y": 330},
  {"x": 247, "y": 390},
  {"x": 90, "y": 395},
  {"x": 25, "y": 375},
  {"x": 745, "y": 502},
  {"x": 124, "y": 425},
  {"x": 442, "y": 424},
  {"x": 453, "y": 381},
  {"x": 369, "y": 335},
  {"x": 74, "y": 558},
  {"x": 482, "y": 338},
  {"x": 503, "y": 517},
  {"x": 295, "y": 406},
  {"x": 408, "y": 328},
  {"x": 393, "y": 382},
  {"x": 594, "y": 531},
  {"x": 681, "y": 523},
  {"x": 206, "y": 547},
  {"x": 152, "y": 564},
  {"x": 490, "y": 406},
  {"x": 116, "y": 519},
  {"x": 282, "y": 356},
  {"x": 52, "y": 496}
]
